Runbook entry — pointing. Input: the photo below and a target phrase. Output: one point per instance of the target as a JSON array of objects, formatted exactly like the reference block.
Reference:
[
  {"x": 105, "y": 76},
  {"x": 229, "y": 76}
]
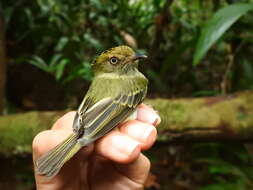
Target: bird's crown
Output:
[{"x": 119, "y": 51}]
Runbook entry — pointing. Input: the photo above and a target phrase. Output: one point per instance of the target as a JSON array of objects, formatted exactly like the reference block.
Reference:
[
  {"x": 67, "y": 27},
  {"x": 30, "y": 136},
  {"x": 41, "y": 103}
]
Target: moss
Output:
[
  {"x": 197, "y": 118},
  {"x": 237, "y": 113},
  {"x": 178, "y": 113},
  {"x": 231, "y": 115},
  {"x": 17, "y": 131}
]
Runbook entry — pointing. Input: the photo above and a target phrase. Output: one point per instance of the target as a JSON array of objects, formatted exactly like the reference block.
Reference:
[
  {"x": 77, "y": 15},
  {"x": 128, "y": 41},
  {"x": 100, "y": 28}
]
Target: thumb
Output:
[{"x": 46, "y": 141}]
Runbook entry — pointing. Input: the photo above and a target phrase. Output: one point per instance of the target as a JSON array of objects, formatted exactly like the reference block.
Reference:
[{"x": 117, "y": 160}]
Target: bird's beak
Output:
[
  {"x": 138, "y": 57},
  {"x": 135, "y": 57}
]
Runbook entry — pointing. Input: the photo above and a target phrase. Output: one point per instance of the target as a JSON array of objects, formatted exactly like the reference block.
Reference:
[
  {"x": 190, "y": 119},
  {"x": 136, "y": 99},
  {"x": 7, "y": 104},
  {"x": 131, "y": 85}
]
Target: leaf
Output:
[
  {"x": 39, "y": 62},
  {"x": 8, "y": 13},
  {"x": 247, "y": 68},
  {"x": 55, "y": 59},
  {"x": 93, "y": 41},
  {"x": 220, "y": 186},
  {"x": 60, "y": 69},
  {"x": 217, "y": 26},
  {"x": 44, "y": 5},
  {"x": 61, "y": 43}
]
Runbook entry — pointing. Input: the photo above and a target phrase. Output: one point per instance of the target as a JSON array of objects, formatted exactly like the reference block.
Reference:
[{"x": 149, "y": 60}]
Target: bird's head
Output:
[{"x": 120, "y": 59}]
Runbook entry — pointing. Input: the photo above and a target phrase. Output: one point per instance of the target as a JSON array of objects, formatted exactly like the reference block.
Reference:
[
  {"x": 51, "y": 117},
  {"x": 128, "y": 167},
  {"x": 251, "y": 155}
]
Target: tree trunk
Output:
[
  {"x": 2, "y": 63},
  {"x": 221, "y": 118}
]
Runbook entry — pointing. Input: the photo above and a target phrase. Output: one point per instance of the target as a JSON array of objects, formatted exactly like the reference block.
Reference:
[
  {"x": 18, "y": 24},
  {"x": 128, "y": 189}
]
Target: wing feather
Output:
[{"x": 103, "y": 116}]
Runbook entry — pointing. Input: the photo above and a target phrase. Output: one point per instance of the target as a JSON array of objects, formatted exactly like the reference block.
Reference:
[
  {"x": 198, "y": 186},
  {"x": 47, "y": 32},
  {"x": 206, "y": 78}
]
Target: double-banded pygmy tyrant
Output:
[{"x": 116, "y": 90}]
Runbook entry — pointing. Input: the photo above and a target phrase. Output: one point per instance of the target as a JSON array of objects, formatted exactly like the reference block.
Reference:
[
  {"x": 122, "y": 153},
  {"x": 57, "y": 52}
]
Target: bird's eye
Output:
[{"x": 114, "y": 60}]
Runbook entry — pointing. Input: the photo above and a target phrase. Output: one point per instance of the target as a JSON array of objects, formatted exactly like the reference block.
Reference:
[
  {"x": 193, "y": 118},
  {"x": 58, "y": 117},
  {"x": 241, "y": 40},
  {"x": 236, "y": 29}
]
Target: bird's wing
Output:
[{"x": 95, "y": 120}]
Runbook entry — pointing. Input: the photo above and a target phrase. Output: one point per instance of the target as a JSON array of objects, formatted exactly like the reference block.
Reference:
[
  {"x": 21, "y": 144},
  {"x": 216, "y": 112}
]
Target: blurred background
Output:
[{"x": 196, "y": 48}]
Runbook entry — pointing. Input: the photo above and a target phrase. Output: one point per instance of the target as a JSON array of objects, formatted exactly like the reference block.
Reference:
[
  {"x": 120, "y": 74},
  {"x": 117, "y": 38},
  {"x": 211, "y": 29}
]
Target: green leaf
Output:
[
  {"x": 91, "y": 40},
  {"x": 217, "y": 26},
  {"x": 60, "y": 68},
  {"x": 8, "y": 13},
  {"x": 55, "y": 59},
  {"x": 247, "y": 68},
  {"x": 40, "y": 63},
  {"x": 61, "y": 43},
  {"x": 220, "y": 186}
]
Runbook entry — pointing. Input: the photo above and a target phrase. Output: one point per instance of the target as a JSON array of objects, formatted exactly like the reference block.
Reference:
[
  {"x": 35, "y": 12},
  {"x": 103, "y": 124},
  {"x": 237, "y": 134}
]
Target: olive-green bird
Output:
[{"x": 116, "y": 90}]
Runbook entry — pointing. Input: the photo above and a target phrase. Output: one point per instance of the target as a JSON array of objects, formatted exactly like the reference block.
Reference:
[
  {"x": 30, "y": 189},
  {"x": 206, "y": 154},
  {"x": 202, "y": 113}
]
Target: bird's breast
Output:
[{"x": 112, "y": 85}]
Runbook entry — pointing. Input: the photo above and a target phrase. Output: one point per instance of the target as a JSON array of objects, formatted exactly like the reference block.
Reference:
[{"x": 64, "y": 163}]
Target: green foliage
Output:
[
  {"x": 167, "y": 30},
  {"x": 55, "y": 66},
  {"x": 228, "y": 165},
  {"x": 217, "y": 26},
  {"x": 202, "y": 166},
  {"x": 63, "y": 37}
]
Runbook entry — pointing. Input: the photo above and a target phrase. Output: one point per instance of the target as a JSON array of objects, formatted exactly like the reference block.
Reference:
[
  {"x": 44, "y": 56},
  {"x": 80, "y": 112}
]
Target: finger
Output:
[
  {"x": 118, "y": 147},
  {"x": 65, "y": 122},
  {"x": 46, "y": 141},
  {"x": 42, "y": 143},
  {"x": 137, "y": 170},
  {"x": 148, "y": 115},
  {"x": 142, "y": 132}
]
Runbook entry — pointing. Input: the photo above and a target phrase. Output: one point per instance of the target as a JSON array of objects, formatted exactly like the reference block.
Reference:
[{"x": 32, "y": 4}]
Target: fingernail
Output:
[
  {"x": 124, "y": 144},
  {"x": 157, "y": 121},
  {"x": 140, "y": 132},
  {"x": 150, "y": 116}
]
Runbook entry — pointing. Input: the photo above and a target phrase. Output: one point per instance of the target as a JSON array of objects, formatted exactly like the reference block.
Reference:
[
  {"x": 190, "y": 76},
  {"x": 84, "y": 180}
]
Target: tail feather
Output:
[{"x": 51, "y": 163}]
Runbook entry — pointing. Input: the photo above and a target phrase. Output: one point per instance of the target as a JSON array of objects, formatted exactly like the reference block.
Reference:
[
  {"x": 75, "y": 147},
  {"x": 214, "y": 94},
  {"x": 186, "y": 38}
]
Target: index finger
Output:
[
  {"x": 65, "y": 122},
  {"x": 147, "y": 114}
]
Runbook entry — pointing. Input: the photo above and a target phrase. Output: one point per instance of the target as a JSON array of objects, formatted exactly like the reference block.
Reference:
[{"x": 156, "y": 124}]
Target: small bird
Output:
[{"x": 116, "y": 90}]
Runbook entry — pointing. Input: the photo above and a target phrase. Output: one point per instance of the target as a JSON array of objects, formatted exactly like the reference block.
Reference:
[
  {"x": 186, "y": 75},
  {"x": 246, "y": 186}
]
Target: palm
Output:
[
  {"x": 106, "y": 174},
  {"x": 115, "y": 162}
]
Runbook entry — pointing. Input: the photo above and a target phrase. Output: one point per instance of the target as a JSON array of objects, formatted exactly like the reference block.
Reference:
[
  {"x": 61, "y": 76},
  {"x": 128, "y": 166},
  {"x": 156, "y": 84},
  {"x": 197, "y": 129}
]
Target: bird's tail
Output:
[{"x": 50, "y": 163}]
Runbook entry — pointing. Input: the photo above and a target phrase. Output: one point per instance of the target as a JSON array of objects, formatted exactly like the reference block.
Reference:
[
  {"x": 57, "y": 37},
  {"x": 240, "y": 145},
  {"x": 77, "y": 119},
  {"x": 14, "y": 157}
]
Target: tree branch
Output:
[{"x": 221, "y": 118}]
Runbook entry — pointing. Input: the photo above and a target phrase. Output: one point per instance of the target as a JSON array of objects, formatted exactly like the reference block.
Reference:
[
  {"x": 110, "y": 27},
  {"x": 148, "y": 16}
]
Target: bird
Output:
[{"x": 117, "y": 88}]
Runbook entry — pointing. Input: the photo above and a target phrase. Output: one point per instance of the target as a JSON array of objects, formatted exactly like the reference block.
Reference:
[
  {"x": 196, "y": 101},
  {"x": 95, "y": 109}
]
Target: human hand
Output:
[{"x": 113, "y": 162}]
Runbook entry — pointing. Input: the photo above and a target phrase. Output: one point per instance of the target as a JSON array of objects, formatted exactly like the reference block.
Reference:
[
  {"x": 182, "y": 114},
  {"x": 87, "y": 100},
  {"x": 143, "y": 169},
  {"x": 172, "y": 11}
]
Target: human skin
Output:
[{"x": 113, "y": 162}]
